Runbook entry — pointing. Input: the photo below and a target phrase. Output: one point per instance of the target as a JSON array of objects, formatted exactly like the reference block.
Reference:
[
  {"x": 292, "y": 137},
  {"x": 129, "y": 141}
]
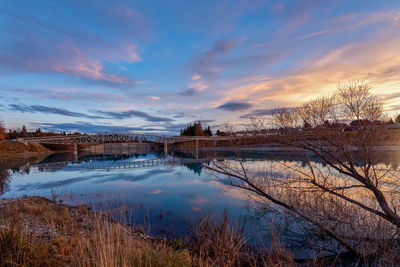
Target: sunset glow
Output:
[{"x": 155, "y": 66}]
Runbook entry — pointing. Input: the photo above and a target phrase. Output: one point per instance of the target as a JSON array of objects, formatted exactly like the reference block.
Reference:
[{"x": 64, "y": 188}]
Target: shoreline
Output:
[
  {"x": 276, "y": 148},
  {"x": 35, "y": 231},
  {"x": 16, "y": 148},
  {"x": 37, "y": 216},
  {"x": 28, "y": 154}
]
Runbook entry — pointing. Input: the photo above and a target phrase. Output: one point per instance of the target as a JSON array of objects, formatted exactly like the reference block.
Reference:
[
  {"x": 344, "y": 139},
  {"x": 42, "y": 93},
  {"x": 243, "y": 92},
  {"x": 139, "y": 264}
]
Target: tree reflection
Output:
[
  {"x": 195, "y": 167},
  {"x": 4, "y": 180}
]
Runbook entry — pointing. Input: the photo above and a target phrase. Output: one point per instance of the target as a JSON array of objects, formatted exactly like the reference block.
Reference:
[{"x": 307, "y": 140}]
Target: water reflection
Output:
[
  {"x": 167, "y": 197},
  {"x": 4, "y": 179}
]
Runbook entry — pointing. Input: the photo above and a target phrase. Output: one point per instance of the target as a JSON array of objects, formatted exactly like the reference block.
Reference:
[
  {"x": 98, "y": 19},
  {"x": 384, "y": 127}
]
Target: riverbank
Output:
[
  {"x": 15, "y": 148},
  {"x": 280, "y": 148},
  {"x": 35, "y": 231}
]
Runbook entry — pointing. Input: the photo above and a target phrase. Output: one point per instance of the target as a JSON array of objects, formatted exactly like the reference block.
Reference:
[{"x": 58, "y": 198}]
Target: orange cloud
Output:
[
  {"x": 196, "y": 77},
  {"x": 377, "y": 62}
]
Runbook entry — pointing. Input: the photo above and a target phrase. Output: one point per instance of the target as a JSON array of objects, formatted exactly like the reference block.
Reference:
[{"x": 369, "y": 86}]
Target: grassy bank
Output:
[
  {"x": 35, "y": 231},
  {"x": 9, "y": 148}
]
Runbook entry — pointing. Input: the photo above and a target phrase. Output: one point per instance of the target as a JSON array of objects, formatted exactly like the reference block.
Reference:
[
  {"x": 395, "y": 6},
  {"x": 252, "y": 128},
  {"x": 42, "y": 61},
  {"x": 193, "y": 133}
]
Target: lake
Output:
[{"x": 164, "y": 195}]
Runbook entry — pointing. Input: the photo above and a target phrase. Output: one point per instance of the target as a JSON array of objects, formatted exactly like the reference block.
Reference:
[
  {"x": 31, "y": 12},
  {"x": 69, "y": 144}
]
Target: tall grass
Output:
[
  {"x": 76, "y": 236},
  {"x": 66, "y": 236}
]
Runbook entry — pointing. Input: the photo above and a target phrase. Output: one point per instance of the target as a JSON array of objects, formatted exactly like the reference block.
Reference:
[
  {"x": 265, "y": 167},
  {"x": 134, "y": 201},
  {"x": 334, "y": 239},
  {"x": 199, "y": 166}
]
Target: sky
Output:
[{"x": 155, "y": 66}]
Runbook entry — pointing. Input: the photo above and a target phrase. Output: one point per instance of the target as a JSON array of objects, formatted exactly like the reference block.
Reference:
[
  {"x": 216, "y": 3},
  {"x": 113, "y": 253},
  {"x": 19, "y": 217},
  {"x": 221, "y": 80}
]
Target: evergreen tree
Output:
[
  {"x": 220, "y": 133},
  {"x": 196, "y": 129},
  {"x": 208, "y": 131}
]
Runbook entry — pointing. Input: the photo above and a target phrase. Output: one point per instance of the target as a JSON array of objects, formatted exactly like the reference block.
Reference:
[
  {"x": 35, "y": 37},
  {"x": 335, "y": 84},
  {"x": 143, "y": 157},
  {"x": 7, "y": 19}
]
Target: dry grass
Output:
[
  {"x": 38, "y": 232},
  {"x": 14, "y": 147},
  {"x": 219, "y": 244},
  {"x": 35, "y": 231}
]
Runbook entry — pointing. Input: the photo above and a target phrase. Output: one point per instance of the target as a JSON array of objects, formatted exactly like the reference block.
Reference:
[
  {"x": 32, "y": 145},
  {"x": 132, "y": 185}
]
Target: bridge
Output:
[
  {"x": 118, "y": 137},
  {"x": 75, "y": 140}
]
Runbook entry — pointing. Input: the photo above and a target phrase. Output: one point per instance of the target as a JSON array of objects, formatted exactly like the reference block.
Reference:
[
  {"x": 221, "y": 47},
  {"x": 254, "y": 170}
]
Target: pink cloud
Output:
[
  {"x": 89, "y": 65},
  {"x": 199, "y": 201},
  {"x": 196, "y": 209}
]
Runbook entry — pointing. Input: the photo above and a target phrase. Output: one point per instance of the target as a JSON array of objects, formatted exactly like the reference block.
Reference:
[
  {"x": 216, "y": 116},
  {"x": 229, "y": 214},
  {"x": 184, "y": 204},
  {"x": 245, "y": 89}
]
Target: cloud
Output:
[
  {"x": 51, "y": 110},
  {"x": 101, "y": 128},
  {"x": 314, "y": 34},
  {"x": 102, "y": 114},
  {"x": 390, "y": 96},
  {"x": 263, "y": 112},
  {"x": 235, "y": 106},
  {"x": 196, "y": 77},
  {"x": 218, "y": 19},
  {"x": 41, "y": 38},
  {"x": 90, "y": 128},
  {"x": 154, "y": 98},
  {"x": 222, "y": 46},
  {"x": 199, "y": 201},
  {"x": 207, "y": 121},
  {"x": 375, "y": 61},
  {"x": 130, "y": 114},
  {"x": 207, "y": 64},
  {"x": 188, "y": 92},
  {"x": 72, "y": 93},
  {"x": 59, "y": 183},
  {"x": 97, "y": 178},
  {"x": 394, "y": 108},
  {"x": 134, "y": 177},
  {"x": 218, "y": 63}
]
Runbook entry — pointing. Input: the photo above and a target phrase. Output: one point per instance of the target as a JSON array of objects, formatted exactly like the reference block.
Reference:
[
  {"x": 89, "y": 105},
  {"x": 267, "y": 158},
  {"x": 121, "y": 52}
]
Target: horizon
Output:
[{"x": 157, "y": 66}]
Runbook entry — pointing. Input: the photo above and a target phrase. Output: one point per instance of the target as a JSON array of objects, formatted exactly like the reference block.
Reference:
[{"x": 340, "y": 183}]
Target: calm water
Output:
[{"x": 166, "y": 197}]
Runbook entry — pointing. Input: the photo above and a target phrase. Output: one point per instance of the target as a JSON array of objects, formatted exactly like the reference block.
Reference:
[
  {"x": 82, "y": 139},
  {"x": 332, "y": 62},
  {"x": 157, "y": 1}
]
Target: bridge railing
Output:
[{"x": 112, "y": 137}]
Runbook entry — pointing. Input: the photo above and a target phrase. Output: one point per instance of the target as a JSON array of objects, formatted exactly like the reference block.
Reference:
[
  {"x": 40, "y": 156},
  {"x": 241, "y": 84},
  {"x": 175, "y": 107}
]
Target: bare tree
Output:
[
  {"x": 354, "y": 199},
  {"x": 229, "y": 128},
  {"x": 358, "y": 103}
]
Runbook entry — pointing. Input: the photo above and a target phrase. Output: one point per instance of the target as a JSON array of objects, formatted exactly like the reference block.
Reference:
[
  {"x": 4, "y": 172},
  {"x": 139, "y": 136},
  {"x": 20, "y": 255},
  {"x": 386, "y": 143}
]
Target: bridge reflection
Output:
[{"x": 111, "y": 161}]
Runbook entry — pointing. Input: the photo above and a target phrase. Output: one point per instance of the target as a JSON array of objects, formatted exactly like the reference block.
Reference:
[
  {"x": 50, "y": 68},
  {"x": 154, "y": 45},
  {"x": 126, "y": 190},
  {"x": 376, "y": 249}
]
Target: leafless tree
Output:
[
  {"x": 354, "y": 199},
  {"x": 229, "y": 128},
  {"x": 358, "y": 103}
]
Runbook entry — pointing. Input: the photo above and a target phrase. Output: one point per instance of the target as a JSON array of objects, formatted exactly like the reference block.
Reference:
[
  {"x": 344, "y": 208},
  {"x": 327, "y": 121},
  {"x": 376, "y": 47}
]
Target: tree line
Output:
[
  {"x": 22, "y": 132},
  {"x": 196, "y": 129}
]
